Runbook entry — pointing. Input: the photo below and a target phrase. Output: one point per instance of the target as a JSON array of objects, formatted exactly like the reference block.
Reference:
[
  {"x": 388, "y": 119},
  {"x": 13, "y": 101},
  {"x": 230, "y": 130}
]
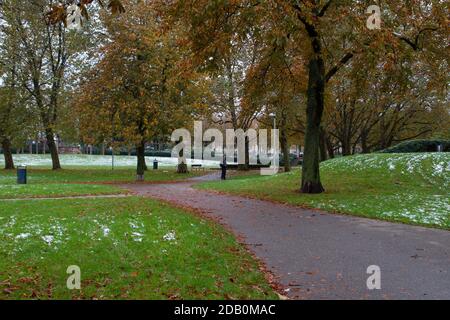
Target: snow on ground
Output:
[
  {"x": 97, "y": 160},
  {"x": 434, "y": 168},
  {"x": 428, "y": 165},
  {"x": 55, "y": 232}
]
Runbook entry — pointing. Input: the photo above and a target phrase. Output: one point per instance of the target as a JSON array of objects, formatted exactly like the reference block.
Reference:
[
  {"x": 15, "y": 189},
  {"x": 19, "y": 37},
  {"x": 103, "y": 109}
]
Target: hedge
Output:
[{"x": 419, "y": 146}]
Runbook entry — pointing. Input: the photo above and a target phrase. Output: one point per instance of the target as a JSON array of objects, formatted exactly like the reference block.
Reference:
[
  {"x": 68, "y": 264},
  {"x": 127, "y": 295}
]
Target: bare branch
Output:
[
  {"x": 415, "y": 43},
  {"x": 345, "y": 59},
  {"x": 324, "y": 9}
]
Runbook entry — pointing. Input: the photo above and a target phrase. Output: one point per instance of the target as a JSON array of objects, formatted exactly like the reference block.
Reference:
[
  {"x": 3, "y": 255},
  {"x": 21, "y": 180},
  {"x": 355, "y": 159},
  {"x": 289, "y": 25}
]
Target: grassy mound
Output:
[{"x": 409, "y": 188}]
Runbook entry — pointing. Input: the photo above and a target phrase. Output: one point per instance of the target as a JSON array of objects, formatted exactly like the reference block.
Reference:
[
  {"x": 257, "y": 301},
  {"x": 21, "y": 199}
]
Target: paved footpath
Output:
[{"x": 317, "y": 255}]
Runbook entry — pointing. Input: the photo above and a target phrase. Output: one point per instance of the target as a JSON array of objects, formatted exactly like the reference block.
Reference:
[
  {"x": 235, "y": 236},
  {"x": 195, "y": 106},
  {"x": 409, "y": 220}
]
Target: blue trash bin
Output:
[{"x": 22, "y": 175}]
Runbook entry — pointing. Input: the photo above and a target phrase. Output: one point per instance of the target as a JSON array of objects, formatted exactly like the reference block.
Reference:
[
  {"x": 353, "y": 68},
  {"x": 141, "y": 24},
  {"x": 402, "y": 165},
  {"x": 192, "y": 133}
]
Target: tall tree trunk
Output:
[
  {"x": 316, "y": 88},
  {"x": 6, "y": 146},
  {"x": 346, "y": 146},
  {"x": 330, "y": 148},
  {"x": 285, "y": 150},
  {"x": 364, "y": 146},
  {"x": 245, "y": 166},
  {"x": 141, "y": 166},
  {"x": 52, "y": 148},
  {"x": 323, "y": 156}
]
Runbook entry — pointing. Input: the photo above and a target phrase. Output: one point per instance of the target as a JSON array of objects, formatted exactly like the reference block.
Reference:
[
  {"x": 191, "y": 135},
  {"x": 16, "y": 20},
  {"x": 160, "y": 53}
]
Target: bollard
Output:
[{"x": 22, "y": 175}]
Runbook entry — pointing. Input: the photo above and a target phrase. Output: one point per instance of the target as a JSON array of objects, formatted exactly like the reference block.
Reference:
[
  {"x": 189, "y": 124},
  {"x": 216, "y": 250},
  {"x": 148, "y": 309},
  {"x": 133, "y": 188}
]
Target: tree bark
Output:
[
  {"x": 346, "y": 146},
  {"x": 182, "y": 168},
  {"x": 364, "y": 146},
  {"x": 52, "y": 148},
  {"x": 245, "y": 166},
  {"x": 316, "y": 88},
  {"x": 323, "y": 156},
  {"x": 285, "y": 150},
  {"x": 9, "y": 162},
  {"x": 330, "y": 147},
  {"x": 141, "y": 166}
]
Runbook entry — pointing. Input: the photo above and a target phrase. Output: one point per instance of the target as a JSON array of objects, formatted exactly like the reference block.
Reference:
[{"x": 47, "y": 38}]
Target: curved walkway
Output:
[{"x": 316, "y": 255}]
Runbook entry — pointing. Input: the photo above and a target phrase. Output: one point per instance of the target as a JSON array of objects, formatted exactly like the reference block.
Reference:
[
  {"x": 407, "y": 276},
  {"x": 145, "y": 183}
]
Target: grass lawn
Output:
[
  {"x": 408, "y": 188},
  {"x": 43, "y": 182},
  {"x": 127, "y": 248}
]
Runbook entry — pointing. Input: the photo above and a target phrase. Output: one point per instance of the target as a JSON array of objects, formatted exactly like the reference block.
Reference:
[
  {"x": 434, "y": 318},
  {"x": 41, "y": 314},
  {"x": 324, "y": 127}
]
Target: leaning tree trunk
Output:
[
  {"x": 285, "y": 150},
  {"x": 141, "y": 166},
  {"x": 6, "y": 146},
  {"x": 52, "y": 148},
  {"x": 316, "y": 88}
]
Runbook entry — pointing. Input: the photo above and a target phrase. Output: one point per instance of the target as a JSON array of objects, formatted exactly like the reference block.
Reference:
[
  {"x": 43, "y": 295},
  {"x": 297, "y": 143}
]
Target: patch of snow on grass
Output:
[
  {"x": 23, "y": 236},
  {"x": 48, "y": 239},
  {"x": 98, "y": 160},
  {"x": 137, "y": 236},
  {"x": 170, "y": 236},
  {"x": 138, "y": 230},
  {"x": 106, "y": 231}
]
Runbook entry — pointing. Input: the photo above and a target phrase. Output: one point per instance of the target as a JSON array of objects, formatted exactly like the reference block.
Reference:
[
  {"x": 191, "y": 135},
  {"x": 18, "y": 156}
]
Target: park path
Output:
[{"x": 317, "y": 255}]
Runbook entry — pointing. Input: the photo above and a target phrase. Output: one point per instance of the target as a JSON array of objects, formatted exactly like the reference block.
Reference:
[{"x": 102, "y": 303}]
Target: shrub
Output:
[{"x": 419, "y": 146}]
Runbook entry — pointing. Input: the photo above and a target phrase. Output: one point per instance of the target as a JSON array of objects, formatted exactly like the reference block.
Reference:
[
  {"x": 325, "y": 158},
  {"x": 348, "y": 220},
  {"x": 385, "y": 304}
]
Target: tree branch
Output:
[
  {"x": 346, "y": 58},
  {"x": 415, "y": 43},
  {"x": 324, "y": 9}
]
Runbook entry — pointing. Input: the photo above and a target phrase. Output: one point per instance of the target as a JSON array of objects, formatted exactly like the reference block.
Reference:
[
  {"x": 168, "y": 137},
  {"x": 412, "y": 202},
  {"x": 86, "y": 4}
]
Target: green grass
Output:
[
  {"x": 76, "y": 181},
  {"x": 407, "y": 188},
  {"x": 91, "y": 174},
  {"x": 55, "y": 190},
  {"x": 119, "y": 246}
]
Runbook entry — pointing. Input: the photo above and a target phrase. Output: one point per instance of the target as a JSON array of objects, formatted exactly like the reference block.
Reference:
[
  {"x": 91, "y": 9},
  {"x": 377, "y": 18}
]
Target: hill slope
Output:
[{"x": 409, "y": 188}]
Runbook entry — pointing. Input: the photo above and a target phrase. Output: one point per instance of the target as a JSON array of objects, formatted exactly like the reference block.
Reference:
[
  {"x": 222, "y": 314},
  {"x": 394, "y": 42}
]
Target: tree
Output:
[
  {"x": 326, "y": 34},
  {"x": 140, "y": 87},
  {"x": 14, "y": 115},
  {"x": 276, "y": 84},
  {"x": 7, "y": 125},
  {"x": 43, "y": 53},
  {"x": 230, "y": 107},
  {"x": 372, "y": 106}
]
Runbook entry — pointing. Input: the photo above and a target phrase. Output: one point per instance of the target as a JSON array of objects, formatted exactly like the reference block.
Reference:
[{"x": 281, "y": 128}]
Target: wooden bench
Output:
[{"x": 197, "y": 167}]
